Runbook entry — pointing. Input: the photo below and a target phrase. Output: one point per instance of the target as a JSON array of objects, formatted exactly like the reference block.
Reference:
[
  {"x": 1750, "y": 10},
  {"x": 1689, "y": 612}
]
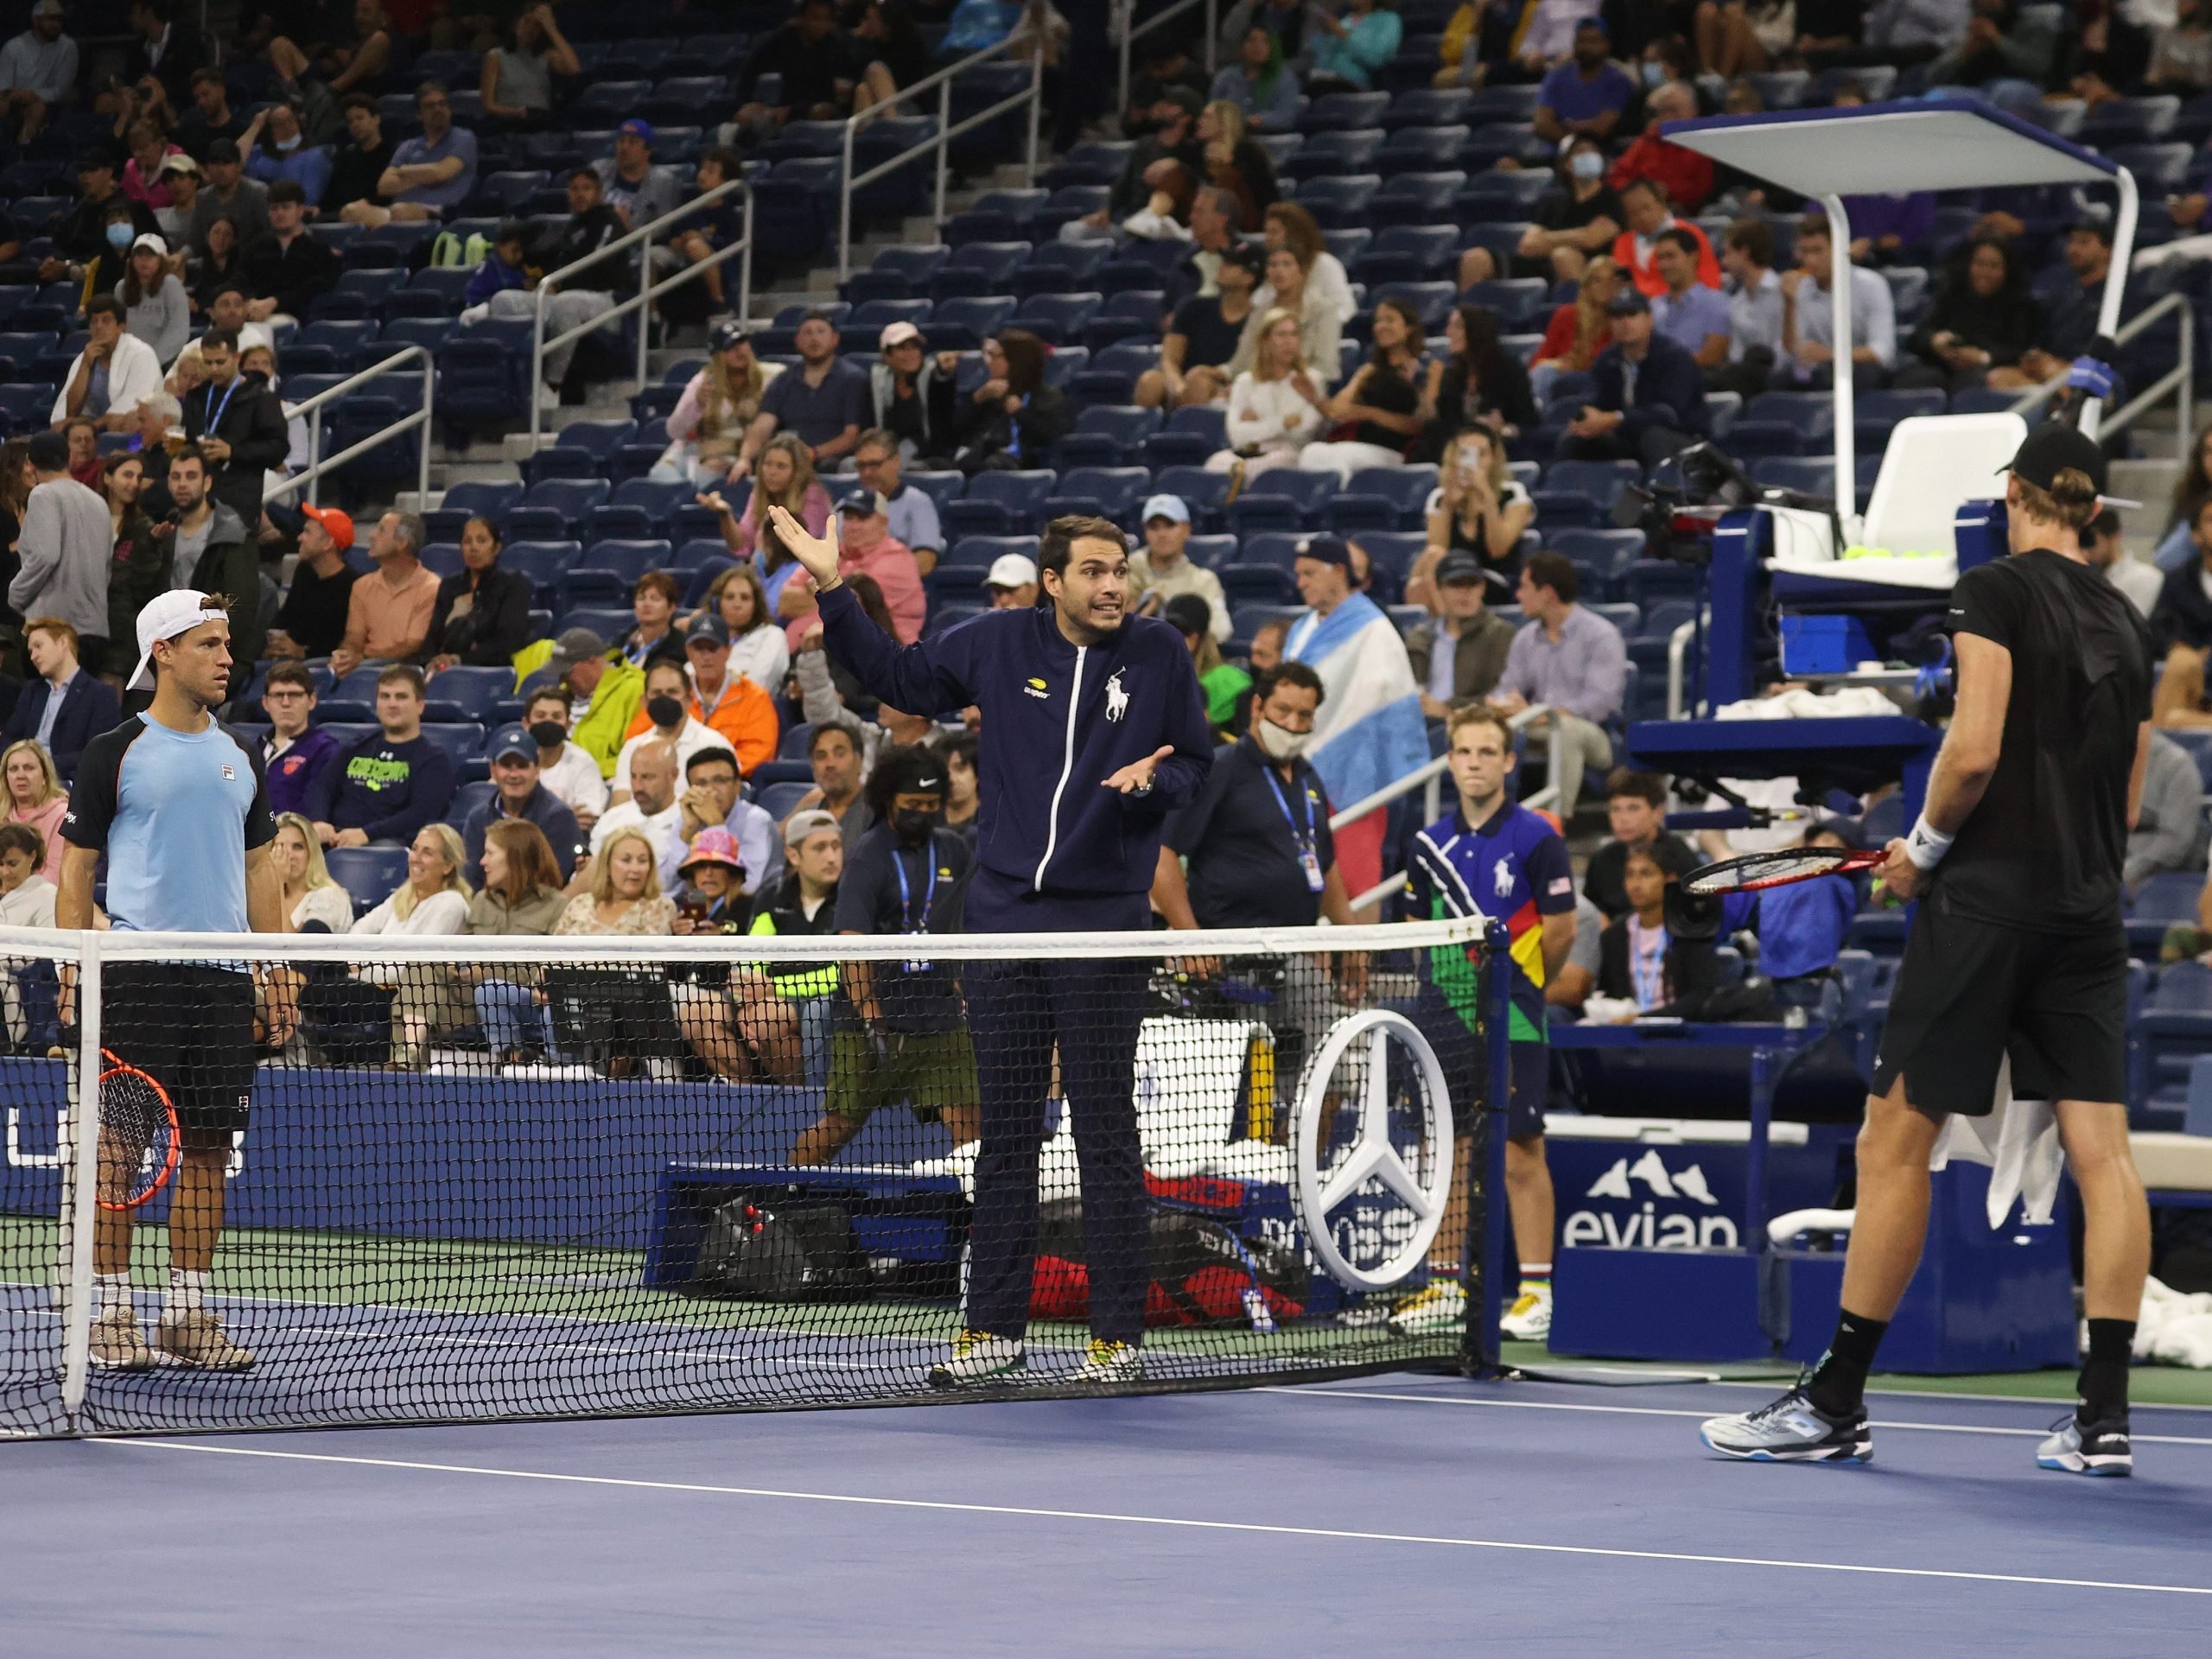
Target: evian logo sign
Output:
[{"x": 1683, "y": 1224}]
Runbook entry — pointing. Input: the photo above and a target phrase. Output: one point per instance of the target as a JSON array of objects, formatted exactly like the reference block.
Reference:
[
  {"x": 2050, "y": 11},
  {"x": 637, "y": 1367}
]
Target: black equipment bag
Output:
[{"x": 782, "y": 1248}]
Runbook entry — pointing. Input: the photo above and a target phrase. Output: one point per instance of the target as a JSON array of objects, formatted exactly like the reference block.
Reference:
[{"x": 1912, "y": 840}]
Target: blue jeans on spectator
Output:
[{"x": 513, "y": 1018}]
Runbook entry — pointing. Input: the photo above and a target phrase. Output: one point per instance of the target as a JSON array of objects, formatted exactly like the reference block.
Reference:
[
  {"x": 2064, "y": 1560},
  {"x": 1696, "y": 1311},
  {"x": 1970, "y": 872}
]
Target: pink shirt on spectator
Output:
[
  {"x": 153, "y": 193},
  {"x": 890, "y": 564},
  {"x": 813, "y": 512}
]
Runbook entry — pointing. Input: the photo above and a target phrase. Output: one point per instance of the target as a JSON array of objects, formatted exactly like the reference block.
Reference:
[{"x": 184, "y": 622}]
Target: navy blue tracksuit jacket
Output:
[
  {"x": 1058, "y": 721},
  {"x": 1056, "y": 852}
]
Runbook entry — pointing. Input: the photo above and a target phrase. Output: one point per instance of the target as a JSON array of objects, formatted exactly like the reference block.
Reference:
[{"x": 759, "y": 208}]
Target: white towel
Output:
[{"x": 2019, "y": 1142}]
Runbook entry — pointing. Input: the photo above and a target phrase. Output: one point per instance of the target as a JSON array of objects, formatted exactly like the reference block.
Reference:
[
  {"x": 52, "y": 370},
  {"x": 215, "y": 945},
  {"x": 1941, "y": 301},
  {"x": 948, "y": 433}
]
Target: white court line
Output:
[
  {"x": 1312, "y": 1392},
  {"x": 1114, "y": 1518}
]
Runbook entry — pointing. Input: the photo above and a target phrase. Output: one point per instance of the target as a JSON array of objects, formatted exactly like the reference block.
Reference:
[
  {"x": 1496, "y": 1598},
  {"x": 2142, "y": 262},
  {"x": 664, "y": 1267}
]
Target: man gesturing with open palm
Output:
[{"x": 1094, "y": 730}]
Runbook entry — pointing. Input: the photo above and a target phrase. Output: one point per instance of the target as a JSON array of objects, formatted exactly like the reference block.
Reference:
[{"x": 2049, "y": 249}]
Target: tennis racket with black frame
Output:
[
  {"x": 1756, "y": 872},
  {"x": 138, "y": 1120}
]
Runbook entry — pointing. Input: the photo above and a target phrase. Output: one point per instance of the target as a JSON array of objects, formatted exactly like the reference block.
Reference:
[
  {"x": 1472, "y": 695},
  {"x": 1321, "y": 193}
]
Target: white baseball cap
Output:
[
  {"x": 169, "y": 615},
  {"x": 1167, "y": 507},
  {"x": 897, "y": 333},
  {"x": 1011, "y": 570}
]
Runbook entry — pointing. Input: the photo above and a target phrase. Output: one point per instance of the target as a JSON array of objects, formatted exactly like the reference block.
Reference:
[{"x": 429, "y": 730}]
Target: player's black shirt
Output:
[{"x": 2043, "y": 849}]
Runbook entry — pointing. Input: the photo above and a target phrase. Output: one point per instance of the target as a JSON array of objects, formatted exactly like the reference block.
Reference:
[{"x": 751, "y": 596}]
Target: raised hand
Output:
[{"x": 818, "y": 554}]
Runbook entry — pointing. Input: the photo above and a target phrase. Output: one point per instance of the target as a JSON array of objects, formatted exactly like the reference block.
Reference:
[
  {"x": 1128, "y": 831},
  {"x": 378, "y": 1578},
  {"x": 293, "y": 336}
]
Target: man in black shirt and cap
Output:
[{"x": 2017, "y": 952}]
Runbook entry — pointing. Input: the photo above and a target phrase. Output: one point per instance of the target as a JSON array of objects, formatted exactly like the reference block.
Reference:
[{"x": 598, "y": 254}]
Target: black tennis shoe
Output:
[
  {"x": 1791, "y": 1430},
  {"x": 2102, "y": 1448}
]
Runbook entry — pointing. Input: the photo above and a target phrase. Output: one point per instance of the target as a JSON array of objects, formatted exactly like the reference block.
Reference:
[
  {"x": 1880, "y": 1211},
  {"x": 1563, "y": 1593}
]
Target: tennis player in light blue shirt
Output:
[{"x": 176, "y": 802}]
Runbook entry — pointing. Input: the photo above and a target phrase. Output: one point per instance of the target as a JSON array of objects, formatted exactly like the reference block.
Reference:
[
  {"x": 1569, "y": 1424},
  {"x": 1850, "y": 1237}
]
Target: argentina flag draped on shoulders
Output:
[{"x": 1369, "y": 731}]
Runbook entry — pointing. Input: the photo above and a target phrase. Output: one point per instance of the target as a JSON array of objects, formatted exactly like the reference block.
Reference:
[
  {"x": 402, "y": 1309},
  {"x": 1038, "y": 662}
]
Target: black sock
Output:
[
  {"x": 1839, "y": 1382},
  {"x": 2104, "y": 1377}
]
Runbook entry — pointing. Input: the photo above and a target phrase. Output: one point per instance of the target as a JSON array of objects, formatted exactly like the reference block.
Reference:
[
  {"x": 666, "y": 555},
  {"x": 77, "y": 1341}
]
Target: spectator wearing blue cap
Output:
[
  {"x": 1164, "y": 570},
  {"x": 517, "y": 84},
  {"x": 638, "y": 192},
  {"x": 517, "y": 792}
]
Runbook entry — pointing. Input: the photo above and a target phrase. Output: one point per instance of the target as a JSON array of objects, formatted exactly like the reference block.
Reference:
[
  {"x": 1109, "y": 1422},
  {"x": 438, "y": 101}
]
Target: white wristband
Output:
[{"x": 1926, "y": 845}]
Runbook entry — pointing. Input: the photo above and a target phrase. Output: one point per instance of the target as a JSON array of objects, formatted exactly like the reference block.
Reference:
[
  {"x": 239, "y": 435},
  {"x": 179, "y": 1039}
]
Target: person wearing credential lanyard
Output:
[
  {"x": 238, "y": 424},
  {"x": 1259, "y": 852},
  {"x": 898, "y": 1031}
]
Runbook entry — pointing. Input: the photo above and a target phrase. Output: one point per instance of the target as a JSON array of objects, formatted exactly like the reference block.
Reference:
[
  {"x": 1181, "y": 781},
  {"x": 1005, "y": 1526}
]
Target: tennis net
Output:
[{"x": 489, "y": 1178}]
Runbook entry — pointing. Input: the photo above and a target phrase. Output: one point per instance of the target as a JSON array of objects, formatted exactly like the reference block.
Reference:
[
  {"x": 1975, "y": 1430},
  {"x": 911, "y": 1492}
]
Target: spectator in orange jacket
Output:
[
  {"x": 741, "y": 713},
  {"x": 1686, "y": 175},
  {"x": 1645, "y": 201}
]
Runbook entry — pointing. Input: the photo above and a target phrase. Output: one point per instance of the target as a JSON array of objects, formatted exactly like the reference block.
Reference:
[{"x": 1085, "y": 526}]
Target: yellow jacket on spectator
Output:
[
  {"x": 1458, "y": 34},
  {"x": 613, "y": 704}
]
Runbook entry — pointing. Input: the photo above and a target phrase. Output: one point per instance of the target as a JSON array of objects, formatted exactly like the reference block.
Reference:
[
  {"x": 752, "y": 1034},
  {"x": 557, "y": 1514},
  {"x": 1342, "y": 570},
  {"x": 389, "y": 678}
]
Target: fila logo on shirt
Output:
[
  {"x": 230, "y": 774},
  {"x": 1117, "y": 698}
]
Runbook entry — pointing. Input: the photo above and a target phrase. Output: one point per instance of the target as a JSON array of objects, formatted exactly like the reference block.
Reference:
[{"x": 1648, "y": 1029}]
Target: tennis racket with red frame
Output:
[
  {"x": 139, "y": 1122},
  {"x": 1756, "y": 872}
]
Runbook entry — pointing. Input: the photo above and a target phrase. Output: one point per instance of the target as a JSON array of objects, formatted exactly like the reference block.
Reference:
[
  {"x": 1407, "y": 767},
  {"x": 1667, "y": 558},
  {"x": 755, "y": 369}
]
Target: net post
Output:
[
  {"x": 80, "y": 1188},
  {"x": 1484, "y": 1246}
]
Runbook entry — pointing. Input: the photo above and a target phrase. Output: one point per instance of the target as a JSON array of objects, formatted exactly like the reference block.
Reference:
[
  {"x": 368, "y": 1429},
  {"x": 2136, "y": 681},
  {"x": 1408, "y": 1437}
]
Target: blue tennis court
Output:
[{"x": 1404, "y": 1514}]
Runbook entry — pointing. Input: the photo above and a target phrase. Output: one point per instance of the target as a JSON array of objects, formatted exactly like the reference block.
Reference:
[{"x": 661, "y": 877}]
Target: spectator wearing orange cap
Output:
[{"x": 312, "y": 621}]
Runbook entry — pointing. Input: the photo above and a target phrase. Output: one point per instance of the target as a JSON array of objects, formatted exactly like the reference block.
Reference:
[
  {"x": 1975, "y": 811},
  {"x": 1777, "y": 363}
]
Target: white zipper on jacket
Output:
[{"x": 1067, "y": 766}]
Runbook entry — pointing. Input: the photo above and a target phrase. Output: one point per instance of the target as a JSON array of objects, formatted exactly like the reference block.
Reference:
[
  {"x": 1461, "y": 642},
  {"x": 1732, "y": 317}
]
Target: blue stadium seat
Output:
[
  {"x": 1106, "y": 435},
  {"x": 1203, "y": 492},
  {"x": 980, "y": 552},
  {"x": 1610, "y": 552},
  {"x": 476, "y": 690},
  {"x": 898, "y": 273},
  {"x": 1600, "y": 481},
  {"x": 1516, "y": 302},
  {"x": 1057, "y": 318},
  {"x": 1421, "y": 149},
  {"x": 1113, "y": 493},
  {"x": 1494, "y": 194},
  {"x": 541, "y": 563},
  {"x": 1060, "y": 268},
  {"x": 369, "y": 875},
  {"x": 1334, "y": 111},
  {"x": 1329, "y": 155},
  {"x": 1808, "y": 476},
  {"x": 1407, "y": 253},
  {"x": 1276, "y": 548},
  {"x": 1337, "y": 200},
  {"x": 1191, "y": 436},
  {"x": 965, "y": 322},
  {"x": 1282, "y": 498},
  {"x": 649, "y": 506},
  {"x": 1211, "y": 551},
  {"x": 999, "y": 504},
  {"x": 996, "y": 216},
  {"x": 1090, "y": 164},
  {"x": 608, "y": 570},
  {"x": 491, "y": 499},
  {"x": 978, "y": 269},
  {"x": 1428, "y": 107},
  {"x": 1259, "y": 584}
]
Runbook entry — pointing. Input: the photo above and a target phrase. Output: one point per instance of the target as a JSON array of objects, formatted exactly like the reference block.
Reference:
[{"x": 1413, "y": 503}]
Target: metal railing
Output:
[
  {"x": 940, "y": 141},
  {"x": 310, "y": 476},
  {"x": 1678, "y": 652},
  {"x": 2181, "y": 380},
  {"x": 648, "y": 289},
  {"x": 1429, "y": 779},
  {"x": 1123, "y": 10}
]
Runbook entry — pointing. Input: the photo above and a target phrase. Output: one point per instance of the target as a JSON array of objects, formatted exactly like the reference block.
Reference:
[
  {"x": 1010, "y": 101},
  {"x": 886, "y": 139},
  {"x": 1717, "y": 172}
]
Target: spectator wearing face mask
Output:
[{"x": 1258, "y": 848}]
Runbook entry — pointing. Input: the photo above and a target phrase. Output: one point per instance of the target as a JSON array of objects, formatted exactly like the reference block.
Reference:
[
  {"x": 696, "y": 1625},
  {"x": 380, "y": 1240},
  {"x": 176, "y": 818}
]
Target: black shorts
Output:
[
  {"x": 1970, "y": 993},
  {"x": 1464, "y": 1056},
  {"x": 189, "y": 1027}
]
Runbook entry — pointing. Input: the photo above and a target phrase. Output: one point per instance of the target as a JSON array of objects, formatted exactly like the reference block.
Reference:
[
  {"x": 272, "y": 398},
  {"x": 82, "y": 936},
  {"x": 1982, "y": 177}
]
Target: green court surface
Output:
[{"x": 468, "y": 1276}]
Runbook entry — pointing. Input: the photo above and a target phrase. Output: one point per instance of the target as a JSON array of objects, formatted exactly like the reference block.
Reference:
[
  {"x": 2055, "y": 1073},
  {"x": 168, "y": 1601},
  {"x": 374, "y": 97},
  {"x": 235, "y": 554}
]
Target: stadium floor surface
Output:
[{"x": 1405, "y": 1515}]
